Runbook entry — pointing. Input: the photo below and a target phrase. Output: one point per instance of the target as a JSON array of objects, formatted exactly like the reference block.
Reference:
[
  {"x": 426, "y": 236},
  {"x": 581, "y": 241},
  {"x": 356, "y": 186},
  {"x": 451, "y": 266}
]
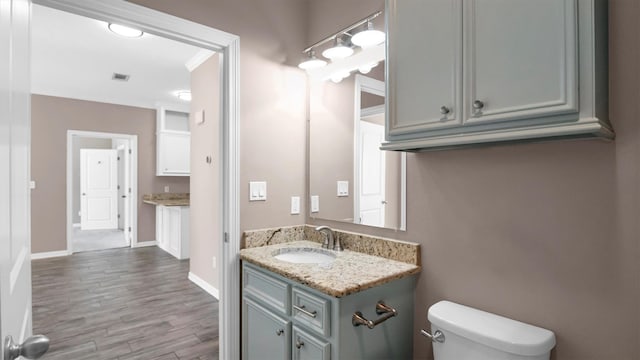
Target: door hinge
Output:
[
  {"x": 118, "y": 187},
  {"x": 226, "y": 237},
  {"x": 118, "y": 158},
  {"x": 129, "y": 151},
  {"x": 129, "y": 228},
  {"x": 118, "y": 216},
  {"x": 129, "y": 190}
]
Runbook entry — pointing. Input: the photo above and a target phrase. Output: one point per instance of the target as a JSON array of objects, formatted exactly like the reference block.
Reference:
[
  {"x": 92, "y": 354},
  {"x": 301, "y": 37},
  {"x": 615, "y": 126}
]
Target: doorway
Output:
[
  {"x": 102, "y": 184},
  {"x": 228, "y": 46}
]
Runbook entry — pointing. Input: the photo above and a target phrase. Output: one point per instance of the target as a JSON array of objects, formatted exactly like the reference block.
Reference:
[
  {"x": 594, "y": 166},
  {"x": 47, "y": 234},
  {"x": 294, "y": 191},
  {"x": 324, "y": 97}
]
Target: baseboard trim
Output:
[
  {"x": 145, "y": 244},
  {"x": 50, "y": 254},
  {"x": 204, "y": 285}
]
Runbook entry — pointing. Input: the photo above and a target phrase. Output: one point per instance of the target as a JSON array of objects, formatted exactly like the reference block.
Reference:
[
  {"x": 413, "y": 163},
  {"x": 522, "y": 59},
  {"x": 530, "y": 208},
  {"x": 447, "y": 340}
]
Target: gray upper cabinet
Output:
[{"x": 483, "y": 71}]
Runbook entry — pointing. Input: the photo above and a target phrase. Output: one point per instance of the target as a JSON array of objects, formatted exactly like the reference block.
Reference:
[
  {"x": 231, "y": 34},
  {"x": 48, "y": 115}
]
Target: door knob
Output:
[
  {"x": 33, "y": 348},
  {"x": 444, "y": 110}
]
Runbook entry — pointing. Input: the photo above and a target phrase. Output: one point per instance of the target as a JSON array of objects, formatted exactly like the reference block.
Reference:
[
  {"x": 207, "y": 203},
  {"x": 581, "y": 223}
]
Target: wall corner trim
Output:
[
  {"x": 204, "y": 285},
  {"x": 50, "y": 254}
]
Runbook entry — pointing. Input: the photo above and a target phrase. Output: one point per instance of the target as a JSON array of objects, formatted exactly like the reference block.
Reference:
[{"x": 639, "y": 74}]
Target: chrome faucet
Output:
[{"x": 331, "y": 241}]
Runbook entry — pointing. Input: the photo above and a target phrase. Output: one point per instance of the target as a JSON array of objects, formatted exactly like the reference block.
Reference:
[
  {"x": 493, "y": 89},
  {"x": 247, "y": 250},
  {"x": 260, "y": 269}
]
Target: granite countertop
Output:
[
  {"x": 167, "y": 199},
  {"x": 349, "y": 273}
]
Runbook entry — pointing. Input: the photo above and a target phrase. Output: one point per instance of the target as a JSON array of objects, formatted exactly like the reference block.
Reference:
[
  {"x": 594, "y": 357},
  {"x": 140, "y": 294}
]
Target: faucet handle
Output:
[{"x": 328, "y": 236}]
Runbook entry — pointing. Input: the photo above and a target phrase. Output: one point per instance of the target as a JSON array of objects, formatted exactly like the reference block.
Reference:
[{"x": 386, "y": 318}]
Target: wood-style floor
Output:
[{"x": 122, "y": 304}]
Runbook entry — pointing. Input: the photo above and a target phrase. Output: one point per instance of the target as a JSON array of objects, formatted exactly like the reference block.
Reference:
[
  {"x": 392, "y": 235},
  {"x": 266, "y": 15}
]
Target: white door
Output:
[
  {"x": 15, "y": 197},
  {"x": 121, "y": 190},
  {"x": 98, "y": 189},
  {"x": 371, "y": 195}
]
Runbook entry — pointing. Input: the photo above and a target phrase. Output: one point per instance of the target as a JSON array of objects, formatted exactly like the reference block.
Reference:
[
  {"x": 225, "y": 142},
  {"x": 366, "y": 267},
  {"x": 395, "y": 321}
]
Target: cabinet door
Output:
[
  {"x": 264, "y": 334},
  {"x": 424, "y": 54},
  {"x": 174, "y": 154},
  {"x": 309, "y": 347},
  {"x": 520, "y": 59},
  {"x": 175, "y": 231}
]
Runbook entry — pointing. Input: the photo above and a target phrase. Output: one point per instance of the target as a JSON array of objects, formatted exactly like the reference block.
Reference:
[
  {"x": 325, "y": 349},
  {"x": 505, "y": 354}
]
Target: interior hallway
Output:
[{"x": 122, "y": 304}]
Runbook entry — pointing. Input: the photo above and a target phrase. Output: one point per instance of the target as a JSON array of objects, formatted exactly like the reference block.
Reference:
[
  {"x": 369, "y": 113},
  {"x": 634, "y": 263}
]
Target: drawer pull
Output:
[
  {"x": 386, "y": 311},
  {"x": 299, "y": 343},
  {"x": 279, "y": 332},
  {"x": 303, "y": 310}
]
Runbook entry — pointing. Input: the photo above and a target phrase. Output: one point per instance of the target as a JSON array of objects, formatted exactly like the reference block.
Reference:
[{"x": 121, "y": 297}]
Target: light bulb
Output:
[
  {"x": 365, "y": 69},
  {"x": 338, "y": 51},
  {"x": 124, "y": 30},
  {"x": 369, "y": 37},
  {"x": 312, "y": 62}
]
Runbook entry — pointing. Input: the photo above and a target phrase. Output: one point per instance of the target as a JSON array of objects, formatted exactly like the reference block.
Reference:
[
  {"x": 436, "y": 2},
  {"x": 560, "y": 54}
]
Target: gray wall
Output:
[
  {"x": 51, "y": 117},
  {"x": 272, "y": 97},
  {"x": 82, "y": 143},
  {"x": 206, "y": 199}
]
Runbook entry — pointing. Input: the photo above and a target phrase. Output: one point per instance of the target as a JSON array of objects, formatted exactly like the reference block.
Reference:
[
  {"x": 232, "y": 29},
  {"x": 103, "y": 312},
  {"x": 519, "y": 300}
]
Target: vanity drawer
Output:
[
  {"x": 311, "y": 310},
  {"x": 267, "y": 289}
]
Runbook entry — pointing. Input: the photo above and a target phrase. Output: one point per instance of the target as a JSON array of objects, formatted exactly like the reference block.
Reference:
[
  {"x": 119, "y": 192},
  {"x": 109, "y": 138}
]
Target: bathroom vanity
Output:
[{"x": 356, "y": 306}]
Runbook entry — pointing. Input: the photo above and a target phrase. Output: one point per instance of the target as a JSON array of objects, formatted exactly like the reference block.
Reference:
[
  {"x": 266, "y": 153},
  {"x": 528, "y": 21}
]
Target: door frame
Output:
[
  {"x": 132, "y": 143},
  {"x": 228, "y": 45}
]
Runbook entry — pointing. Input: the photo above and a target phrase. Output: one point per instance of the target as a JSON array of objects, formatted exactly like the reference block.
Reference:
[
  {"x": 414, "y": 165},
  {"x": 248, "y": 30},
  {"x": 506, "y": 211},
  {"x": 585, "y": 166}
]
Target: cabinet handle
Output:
[
  {"x": 303, "y": 310},
  {"x": 444, "y": 110},
  {"x": 279, "y": 332},
  {"x": 478, "y": 105},
  {"x": 299, "y": 343}
]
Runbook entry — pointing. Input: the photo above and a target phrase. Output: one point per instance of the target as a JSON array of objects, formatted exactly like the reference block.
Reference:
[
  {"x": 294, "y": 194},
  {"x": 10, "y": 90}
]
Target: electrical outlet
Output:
[{"x": 214, "y": 263}]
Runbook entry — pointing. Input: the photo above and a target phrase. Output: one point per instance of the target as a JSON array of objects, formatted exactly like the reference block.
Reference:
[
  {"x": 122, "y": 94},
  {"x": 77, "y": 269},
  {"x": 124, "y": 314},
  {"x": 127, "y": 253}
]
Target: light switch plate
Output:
[
  {"x": 32, "y": 184},
  {"x": 199, "y": 117},
  {"x": 295, "y": 205},
  {"x": 343, "y": 188},
  {"x": 257, "y": 191},
  {"x": 315, "y": 203}
]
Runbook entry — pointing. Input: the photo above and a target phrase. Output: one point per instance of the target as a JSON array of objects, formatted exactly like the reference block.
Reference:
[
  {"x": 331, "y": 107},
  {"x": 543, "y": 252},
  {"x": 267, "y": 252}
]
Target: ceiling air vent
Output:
[{"x": 120, "y": 77}]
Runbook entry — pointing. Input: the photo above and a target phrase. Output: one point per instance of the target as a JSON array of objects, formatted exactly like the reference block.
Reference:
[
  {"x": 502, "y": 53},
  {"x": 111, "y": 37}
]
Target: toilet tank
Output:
[{"x": 471, "y": 334}]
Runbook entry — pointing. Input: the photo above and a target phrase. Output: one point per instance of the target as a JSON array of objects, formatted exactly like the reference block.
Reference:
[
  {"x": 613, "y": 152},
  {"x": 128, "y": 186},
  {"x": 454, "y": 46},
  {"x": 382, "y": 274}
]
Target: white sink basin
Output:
[{"x": 305, "y": 255}]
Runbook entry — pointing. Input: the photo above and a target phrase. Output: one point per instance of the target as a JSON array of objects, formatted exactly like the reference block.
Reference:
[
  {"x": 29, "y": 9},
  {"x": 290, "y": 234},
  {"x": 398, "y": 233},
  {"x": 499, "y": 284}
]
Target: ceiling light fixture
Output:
[
  {"x": 184, "y": 95},
  {"x": 311, "y": 61},
  {"x": 125, "y": 31},
  {"x": 368, "y": 37},
  {"x": 338, "y": 51}
]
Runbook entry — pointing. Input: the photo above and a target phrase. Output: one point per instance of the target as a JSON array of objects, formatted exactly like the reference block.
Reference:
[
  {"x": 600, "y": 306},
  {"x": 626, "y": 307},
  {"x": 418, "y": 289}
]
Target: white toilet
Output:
[{"x": 464, "y": 333}]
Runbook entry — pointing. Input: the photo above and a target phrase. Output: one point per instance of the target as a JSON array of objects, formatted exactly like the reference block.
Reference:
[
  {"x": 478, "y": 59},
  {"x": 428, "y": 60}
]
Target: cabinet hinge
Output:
[
  {"x": 129, "y": 190},
  {"x": 118, "y": 158},
  {"x": 129, "y": 228},
  {"x": 129, "y": 151},
  {"x": 226, "y": 237}
]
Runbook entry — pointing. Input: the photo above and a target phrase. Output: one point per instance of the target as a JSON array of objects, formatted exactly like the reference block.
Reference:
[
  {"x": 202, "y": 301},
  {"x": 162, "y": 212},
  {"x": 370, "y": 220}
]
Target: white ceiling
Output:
[{"x": 75, "y": 57}]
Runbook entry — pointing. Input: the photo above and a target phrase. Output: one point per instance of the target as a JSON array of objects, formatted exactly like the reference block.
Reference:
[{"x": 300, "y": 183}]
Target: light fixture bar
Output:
[{"x": 344, "y": 31}]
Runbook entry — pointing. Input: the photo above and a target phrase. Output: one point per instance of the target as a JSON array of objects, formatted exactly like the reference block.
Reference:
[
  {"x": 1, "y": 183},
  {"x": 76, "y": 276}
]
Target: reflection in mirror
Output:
[{"x": 353, "y": 180}]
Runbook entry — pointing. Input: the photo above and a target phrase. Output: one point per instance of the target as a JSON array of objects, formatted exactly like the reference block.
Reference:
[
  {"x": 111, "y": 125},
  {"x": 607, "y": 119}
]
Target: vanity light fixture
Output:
[
  {"x": 184, "y": 95},
  {"x": 360, "y": 34},
  {"x": 311, "y": 62},
  {"x": 338, "y": 51},
  {"x": 124, "y": 30},
  {"x": 369, "y": 37}
]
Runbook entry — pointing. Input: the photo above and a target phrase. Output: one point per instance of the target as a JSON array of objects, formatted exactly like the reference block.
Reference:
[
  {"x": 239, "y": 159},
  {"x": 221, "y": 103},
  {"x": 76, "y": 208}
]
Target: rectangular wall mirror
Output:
[{"x": 351, "y": 179}]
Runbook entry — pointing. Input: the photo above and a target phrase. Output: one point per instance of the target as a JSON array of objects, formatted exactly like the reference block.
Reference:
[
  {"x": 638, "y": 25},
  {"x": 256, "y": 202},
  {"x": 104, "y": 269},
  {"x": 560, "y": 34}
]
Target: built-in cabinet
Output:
[
  {"x": 173, "y": 143},
  {"x": 172, "y": 230},
  {"x": 477, "y": 71},
  {"x": 283, "y": 319}
]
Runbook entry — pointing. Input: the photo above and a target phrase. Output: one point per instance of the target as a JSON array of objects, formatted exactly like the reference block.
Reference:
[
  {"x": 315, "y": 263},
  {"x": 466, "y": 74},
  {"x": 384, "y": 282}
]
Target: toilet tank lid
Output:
[{"x": 491, "y": 330}]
